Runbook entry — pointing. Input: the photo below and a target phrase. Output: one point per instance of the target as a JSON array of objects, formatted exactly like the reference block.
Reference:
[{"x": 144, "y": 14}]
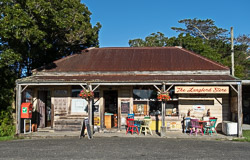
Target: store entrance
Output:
[
  {"x": 111, "y": 107},
  {"x": 44, "y": 109}
]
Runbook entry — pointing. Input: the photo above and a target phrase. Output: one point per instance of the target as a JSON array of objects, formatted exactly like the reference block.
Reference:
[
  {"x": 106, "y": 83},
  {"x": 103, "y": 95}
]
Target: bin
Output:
[{"x": 26, "y": 110}]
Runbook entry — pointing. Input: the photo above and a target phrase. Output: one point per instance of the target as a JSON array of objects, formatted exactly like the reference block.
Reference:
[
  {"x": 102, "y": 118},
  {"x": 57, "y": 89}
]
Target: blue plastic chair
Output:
[
  {"x": 138, "y": 124},
  {"x": 131, "y": 116},
  {"x": 187, "y": 124}
]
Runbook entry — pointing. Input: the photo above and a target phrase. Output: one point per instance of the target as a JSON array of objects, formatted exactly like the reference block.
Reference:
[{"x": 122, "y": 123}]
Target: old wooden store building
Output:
[{"x": 126, "y": 80}]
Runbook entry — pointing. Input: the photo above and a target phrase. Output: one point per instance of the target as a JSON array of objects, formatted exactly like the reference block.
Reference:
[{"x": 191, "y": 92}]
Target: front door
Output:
[
  {"x": 111, "y": 108},
  {"x": 44, "y": 109}
]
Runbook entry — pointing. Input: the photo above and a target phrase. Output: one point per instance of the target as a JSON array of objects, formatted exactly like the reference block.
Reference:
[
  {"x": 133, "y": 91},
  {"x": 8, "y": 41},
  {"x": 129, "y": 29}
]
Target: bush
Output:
[{"x": 7, "y": 127}]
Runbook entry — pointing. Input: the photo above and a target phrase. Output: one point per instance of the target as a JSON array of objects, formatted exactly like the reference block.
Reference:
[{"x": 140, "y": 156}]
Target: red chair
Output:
[{"x": 131, "y": 127}]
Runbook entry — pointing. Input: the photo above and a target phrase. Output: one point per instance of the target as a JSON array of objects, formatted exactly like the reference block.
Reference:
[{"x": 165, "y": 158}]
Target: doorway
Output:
[
  {"x": 45, "y": 116},
  {"x": 111, "y": 108}
]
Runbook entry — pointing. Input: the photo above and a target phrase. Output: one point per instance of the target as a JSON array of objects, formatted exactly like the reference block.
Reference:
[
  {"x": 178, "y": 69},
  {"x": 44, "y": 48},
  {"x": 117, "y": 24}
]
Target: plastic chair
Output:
[
  {"x": 131, "y": 116},
  {"x": 195, "y": 125},
  {"x": 186, "y": 124},
  {"x": 210, "y": 127},
  {"x": 131, "y": 127},
  {"x": 138, "y": 124},
  {"x": 146, "y": 127}
]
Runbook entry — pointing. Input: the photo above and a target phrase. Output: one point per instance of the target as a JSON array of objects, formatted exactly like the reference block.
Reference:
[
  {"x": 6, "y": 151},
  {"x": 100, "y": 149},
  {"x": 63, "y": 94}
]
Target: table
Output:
[
  {"x": 201, "y": 122},
  {"x": 109, "y": 121}
]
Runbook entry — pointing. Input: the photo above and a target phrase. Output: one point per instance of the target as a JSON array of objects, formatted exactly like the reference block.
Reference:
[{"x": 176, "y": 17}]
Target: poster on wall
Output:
[
  {"x": 61, "y": 104},
  {"x": 199, "y": 108},
  {"x": 79, "y": 106},
  {"x": 125, "y": 107}
]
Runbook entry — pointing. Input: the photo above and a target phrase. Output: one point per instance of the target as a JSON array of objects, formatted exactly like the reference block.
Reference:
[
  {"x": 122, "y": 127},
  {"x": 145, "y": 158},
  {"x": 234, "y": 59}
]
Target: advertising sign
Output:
[{"x": 199, "y": 108}]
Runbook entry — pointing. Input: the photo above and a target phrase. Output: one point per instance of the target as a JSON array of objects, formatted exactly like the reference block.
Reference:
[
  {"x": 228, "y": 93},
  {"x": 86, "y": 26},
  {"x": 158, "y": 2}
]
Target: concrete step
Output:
[{"x": 46, "y": 129}]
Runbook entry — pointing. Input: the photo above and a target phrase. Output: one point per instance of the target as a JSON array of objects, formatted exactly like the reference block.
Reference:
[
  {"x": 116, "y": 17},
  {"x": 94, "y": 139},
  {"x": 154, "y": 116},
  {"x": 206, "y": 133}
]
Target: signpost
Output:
[
  {"x": 82, "y": 129},
  {"x": 86, "y": 125},
  {"x": 89, "y": 133}
]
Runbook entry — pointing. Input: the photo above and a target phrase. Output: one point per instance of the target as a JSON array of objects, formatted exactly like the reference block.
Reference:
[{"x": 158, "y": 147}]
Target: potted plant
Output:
[
  {"x": 86, "y": 94},
  {"x": 163, "y": 96}
]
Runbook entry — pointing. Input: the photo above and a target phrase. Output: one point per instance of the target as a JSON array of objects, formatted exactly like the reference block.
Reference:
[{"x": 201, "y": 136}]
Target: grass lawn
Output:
[
  {"x": 246, "y": 135},
  {"x": 8, "y": 138}
]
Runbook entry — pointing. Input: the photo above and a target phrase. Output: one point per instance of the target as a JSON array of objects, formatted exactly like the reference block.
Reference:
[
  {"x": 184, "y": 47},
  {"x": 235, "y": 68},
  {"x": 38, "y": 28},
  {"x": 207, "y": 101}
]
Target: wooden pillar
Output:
[
  {"x": 90, "y": 112},
  {"x": 239, "y": 110},
  {"x": 18, "y": 108},
  {"x": 102, "y": 109},
  {"x": 163, "y": 111},
  {"x": 119, "y": 115}
]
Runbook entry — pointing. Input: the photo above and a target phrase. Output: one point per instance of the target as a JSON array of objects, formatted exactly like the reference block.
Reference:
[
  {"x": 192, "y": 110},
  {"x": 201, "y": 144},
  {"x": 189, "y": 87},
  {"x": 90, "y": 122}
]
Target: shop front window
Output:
[
  {"x": 75, "y": 94},
  {"x": 27, "y": 96},
  {"x": 146, "y": 103}
]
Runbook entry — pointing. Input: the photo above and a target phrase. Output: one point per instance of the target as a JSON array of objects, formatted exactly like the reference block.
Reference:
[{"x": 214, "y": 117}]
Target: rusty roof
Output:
[
  {"x": 134, "y": 59},
  {"x": 128, "y": 78}
]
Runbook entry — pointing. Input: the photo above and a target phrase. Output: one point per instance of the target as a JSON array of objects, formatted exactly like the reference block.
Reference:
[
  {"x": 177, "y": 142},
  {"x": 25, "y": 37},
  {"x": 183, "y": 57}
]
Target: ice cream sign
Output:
[{"x": 198, "y": 108}]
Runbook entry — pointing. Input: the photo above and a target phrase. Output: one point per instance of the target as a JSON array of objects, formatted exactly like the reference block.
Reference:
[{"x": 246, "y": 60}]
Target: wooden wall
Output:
[
  {"x": 218, "y": 104},
  {"x": 63, "y": 119}
]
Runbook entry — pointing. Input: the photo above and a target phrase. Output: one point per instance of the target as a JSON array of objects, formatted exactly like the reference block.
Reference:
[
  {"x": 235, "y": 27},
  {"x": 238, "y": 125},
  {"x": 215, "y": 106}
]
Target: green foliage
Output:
[
  {"x": 204, "y": 29},
  {"x": 246, "y": 137},
  {"x": 7, "y": 138},
  {"x": 206, "y": 39},
  {"x": 35, "y": 33},
  {"x": 154, "y": 40},
  {"x": 7, "y": 81},
  {"x": 196, "y": 45},
  {"x": 6, "y": 123}
]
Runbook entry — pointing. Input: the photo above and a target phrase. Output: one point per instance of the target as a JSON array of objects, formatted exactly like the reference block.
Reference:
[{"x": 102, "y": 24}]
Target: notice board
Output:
[{"x": 125, "y": 107}]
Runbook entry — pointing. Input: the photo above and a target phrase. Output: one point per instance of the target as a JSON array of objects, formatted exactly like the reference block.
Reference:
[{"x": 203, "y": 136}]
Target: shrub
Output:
[{"x": 7, "y": 127}]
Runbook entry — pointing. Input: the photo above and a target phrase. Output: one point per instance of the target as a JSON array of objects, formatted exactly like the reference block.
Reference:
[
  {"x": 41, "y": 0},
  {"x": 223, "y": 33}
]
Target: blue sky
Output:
[{"x": 123, "y": 20}]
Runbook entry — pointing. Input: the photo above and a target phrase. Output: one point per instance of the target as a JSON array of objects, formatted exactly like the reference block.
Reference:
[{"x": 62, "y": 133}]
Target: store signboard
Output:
[{"x": 201, "y": 89}]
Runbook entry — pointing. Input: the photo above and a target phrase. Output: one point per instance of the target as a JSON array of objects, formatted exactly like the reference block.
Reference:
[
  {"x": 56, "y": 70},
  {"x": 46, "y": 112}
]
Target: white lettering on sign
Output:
[{"x": 200, "y": 89}]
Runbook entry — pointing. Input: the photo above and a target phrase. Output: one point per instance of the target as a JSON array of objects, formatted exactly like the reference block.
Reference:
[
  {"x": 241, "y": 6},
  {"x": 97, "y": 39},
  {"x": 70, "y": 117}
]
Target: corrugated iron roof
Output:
[
  {"x": 134, "y": 59},
  {"x": 128, "y": 78}
]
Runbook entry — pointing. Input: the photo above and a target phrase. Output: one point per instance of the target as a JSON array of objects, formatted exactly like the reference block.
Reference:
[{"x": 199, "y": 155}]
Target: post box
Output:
[{"x": 26, "y": 110}]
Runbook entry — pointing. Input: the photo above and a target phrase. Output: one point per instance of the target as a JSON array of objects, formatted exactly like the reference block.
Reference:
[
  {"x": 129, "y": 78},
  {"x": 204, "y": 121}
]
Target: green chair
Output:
[{"x": 210, "y": 127}]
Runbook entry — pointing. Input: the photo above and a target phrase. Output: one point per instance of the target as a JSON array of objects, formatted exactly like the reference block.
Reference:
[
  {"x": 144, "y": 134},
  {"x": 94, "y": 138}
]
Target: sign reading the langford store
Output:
[{"x": 202, "y": 89}]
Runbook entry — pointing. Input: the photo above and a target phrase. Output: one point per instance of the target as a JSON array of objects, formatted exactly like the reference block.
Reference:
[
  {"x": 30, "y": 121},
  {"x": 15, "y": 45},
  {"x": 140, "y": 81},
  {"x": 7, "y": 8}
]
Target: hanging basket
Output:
[
  {"x": 163, "y": 96},
  {"x": 87, "y": 94}
]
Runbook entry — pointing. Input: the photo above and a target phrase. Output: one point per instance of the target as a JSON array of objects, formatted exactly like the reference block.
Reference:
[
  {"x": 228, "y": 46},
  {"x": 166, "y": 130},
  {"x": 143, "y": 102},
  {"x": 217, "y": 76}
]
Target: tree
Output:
[
  {"x": 196, "y": 45},
  {"x": 39, "y": 32},
  {"x": 34, "y": 33},
  {"x": 206, "y": 39},
  {"x": 154, "y": 40},
  {"x": 204, "y": 29}
]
